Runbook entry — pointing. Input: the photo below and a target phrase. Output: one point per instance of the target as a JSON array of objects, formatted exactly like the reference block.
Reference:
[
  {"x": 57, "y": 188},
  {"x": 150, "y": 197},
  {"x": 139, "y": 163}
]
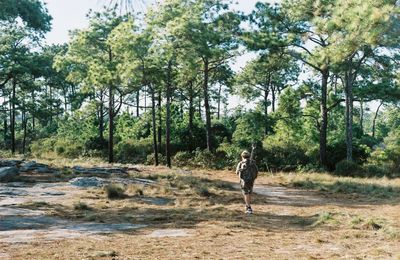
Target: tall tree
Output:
[{"x": 90, "y": 60}]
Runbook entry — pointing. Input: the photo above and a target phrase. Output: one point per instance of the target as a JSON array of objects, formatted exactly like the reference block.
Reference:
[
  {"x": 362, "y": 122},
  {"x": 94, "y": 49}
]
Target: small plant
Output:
[
  {"x": 135, "y": 189},
  {"x": 81, "y": 206},
  {"x": 203, "y": 191},
  {"x": 115, "y": 191},
  {"x": 323, "y": 218},
  {"x": 356, "y": 220},
  {"x": 372, "y": 224}
]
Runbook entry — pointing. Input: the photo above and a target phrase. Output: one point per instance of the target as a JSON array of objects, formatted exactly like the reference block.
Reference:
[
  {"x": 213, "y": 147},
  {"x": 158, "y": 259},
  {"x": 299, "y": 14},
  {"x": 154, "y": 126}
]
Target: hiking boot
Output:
[{"x": 248, "y": 210}]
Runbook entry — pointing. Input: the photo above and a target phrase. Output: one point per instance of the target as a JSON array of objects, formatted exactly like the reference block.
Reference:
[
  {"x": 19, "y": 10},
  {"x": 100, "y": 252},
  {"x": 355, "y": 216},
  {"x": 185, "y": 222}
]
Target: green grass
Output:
[{"x": 324, "y": 218}]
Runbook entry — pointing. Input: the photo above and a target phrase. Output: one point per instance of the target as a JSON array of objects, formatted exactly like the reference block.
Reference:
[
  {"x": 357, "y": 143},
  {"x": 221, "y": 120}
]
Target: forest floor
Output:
[{"x": 197, "y": 214}]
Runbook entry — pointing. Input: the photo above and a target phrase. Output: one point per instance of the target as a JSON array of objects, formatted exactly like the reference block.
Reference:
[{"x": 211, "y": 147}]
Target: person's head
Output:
[{"x": 245, "y": 154}]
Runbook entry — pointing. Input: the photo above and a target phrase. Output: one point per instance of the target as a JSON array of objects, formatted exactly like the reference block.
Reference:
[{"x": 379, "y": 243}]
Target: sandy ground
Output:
[{"x": 287, "y": 224}]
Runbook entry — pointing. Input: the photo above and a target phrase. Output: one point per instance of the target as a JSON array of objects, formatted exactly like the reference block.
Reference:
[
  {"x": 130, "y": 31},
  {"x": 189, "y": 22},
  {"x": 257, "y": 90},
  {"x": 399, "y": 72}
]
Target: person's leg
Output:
[{"x": 247, "y": 199}]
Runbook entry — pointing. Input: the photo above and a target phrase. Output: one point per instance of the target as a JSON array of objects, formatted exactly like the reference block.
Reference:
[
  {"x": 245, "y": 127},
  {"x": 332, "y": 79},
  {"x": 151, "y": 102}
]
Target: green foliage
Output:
[
  {"x": 32, "y": 12},
  {"x": 346, "y": 168},
  {"x": 249, "y": 129},
  {"x": 388, "y": 155},
  {"x": 131, "y": 150}
]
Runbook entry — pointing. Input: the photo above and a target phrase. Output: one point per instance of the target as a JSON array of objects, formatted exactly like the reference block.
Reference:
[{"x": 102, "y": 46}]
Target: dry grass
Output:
[{"x": 335, "y": 224}]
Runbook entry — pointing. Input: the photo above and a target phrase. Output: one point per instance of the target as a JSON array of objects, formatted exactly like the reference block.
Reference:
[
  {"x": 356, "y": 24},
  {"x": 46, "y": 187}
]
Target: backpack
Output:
[{"x": 248, "y": 170}]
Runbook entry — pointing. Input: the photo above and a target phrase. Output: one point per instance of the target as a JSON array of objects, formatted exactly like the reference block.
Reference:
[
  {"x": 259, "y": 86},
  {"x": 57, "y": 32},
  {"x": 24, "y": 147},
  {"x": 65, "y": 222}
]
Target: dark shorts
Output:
[{"x": 247, "y": 187}]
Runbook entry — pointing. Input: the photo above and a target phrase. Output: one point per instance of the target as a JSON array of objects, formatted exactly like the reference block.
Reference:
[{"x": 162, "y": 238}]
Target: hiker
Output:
[{"x": 247, "y": 171}]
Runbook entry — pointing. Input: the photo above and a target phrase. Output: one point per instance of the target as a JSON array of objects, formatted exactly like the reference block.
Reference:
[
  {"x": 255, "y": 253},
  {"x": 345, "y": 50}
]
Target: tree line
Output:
[{"x": 155, "y": 87}]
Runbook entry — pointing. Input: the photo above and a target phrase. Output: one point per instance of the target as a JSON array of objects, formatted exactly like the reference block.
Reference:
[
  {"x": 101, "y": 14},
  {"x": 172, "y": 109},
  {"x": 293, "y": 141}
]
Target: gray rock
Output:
[
  {"x": 8, "y": 163},
  {"x": 169, "y": 233},
  {"x": 87, "y": 182},
  {"x": 43, "y": 169},
  {"x": 28, "y": 166},
  {"x": 98, "y": 170},
  {"x": 8, "y": 172}
]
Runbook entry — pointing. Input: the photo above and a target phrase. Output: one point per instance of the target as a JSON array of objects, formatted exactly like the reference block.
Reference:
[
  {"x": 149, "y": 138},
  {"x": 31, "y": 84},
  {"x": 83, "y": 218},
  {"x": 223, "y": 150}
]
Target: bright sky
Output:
[{"x": 71, "y": 14}]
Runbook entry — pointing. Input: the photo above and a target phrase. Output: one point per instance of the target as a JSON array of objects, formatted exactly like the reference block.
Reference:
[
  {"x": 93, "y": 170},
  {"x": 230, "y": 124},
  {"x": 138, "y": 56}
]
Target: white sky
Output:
[{"x": 71, "y": 14}]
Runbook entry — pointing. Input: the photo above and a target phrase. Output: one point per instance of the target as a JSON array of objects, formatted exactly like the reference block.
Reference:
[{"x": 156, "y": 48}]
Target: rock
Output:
[
  {"x": 98, "y": 170},
  {"x": 169, "y": 233},
  {"x": 8, "y": 163},
  {"x": 87, "y": 182},
  {"x": 8, "y": 172},
  {"x": 105, "y": 254},
  {"x": 43, "y": 169},
  {"x": 28, "y": 166}
]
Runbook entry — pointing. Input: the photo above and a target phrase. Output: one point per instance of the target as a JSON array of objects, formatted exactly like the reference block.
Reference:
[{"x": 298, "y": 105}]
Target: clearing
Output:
[{"x": 53, "y": 212}]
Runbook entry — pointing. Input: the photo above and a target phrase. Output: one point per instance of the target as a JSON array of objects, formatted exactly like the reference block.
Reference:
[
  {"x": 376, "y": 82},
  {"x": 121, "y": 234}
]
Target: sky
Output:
[{"x": 71, "y": 14}]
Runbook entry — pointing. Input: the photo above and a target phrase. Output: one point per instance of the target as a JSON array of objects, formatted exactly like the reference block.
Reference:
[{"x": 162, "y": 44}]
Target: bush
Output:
[
  {"x": 285, "y": 156},
  {"x": 128, "y": 151},
  {"x": 150, "y": 159},
  {"x": 183, "y": 159},
  {"x": 68, "y": 148},
  {"x": 371, "y": 170},
  {"x": 347, "y": 168},
  {"x": 43, "y": 147}
]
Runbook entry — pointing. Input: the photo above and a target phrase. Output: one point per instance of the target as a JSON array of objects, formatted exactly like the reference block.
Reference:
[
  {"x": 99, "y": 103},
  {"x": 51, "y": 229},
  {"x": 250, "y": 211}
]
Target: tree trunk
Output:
[
  {"x": 349, "y": 115},
  {"x": 137, "y": 103},
  {"x": 219, "y": 101},
  {"x": 191, "y": 116},
  {"x": 273, "y": 97},
  {"x": 375, "y": 117},
  {"x": 111, "y": 126},
  {"x": 12, "y": 121},
  {"x": 324, "y": 119},
  {"x": 266, "y": 92},
  {"x": 101, "y": 117},
  {"x": 153, "y": 115},
  {"x": 111, "y": 118},
  {"x": 168, "y": 119},
  {"x": 33, "y": 116},
  {"x": 25, "y": 122},
  {"x": 207, "y": 105},
  {"x": 5, "y": 130},
  {"x": 362, "y": 116},
  {"x": 159, "y": 131},
  {"x": 51, "y": 103}
]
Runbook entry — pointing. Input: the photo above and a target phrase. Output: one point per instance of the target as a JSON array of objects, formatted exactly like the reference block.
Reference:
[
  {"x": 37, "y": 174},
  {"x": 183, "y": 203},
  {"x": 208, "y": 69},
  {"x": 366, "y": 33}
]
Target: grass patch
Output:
[
  {"x": 34, "y": 204},
  {"x": 372, "y": 224},
  {"x": 135, "y": 189},
  {"x": 79, "y": 205},
  {"x": 323, "y": 218},
  {"x": 375, "y": 188},
  {"x": 115, "y": 191}
]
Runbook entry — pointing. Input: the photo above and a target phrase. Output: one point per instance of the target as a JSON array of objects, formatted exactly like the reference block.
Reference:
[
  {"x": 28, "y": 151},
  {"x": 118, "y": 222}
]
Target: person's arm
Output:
[{"x": 238, "y": 168}]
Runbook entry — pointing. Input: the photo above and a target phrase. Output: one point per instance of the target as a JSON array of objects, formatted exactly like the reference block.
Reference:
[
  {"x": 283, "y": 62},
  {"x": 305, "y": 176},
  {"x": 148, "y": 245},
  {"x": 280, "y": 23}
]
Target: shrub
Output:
[
  {"x": 115, "y": 191},
  {"x": 68, "y": 148},
  {"x": 346, "y": 168},
  {"x": 42, "y": 147},
  {"x": 133, "y": 150},
  {"x": 150, "y": 159},
  {"x": 183, "y": 159}
]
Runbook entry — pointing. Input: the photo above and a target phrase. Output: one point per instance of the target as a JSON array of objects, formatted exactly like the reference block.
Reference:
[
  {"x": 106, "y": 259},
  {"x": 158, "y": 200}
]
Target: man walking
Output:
[{"x": 247, "y": 171}]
